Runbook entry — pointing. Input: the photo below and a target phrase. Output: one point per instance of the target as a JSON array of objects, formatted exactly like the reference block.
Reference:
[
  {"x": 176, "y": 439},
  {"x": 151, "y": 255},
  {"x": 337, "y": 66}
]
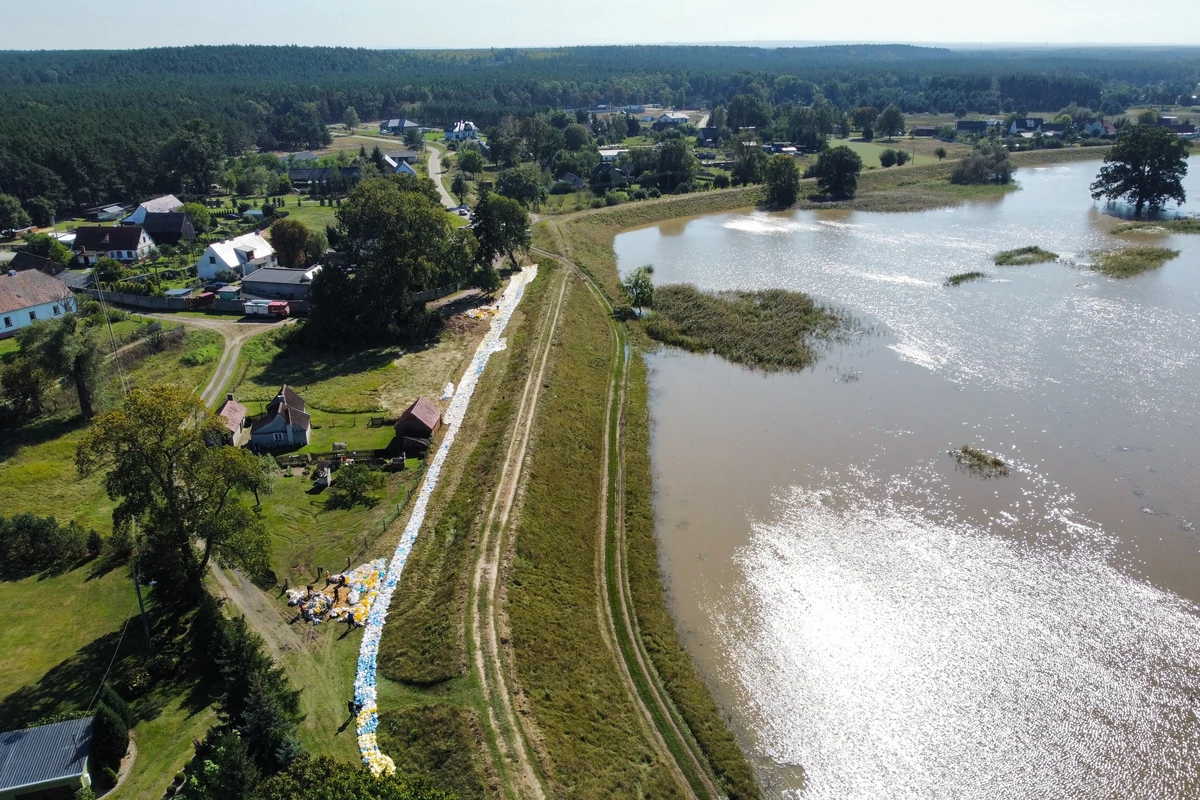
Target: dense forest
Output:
[{"x": 80, "y": 128}]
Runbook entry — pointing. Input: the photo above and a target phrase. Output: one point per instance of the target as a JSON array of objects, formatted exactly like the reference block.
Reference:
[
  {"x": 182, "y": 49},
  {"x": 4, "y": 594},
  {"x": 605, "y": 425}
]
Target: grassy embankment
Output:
[
  {"x": 1132, "y": 261},
  {"x": 1024, "y": 257},
  {"x": 980, "y": 461},
  {"x": 964, "y": 277},
  {"x": 587, "y": 240},
  {"x": 588, "y": 723},
  {"x": 431, "y": 703},
  {"x": 770, "y": 330}
]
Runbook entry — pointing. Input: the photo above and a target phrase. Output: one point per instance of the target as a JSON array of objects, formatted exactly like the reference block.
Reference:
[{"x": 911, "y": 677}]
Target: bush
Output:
[
  {"x": 888, "y": 158},
  {"x": 355, "y": 484},
  {"x": 986, "y": 164},
  {"x": 655, "y": 193},
  {"x": 640, "y": 194},
  {"x": 110, "y": 698},
  {"x": 597, "y": 203},
  {"x": 562, "y": 187},
  {"x": 721, "y": 181},
  {"x": 614, "y": 198},
  {"x": 110, "y": 737},
  {"x": 33, "y": 543},
  {"x": 902, "y": 158}
]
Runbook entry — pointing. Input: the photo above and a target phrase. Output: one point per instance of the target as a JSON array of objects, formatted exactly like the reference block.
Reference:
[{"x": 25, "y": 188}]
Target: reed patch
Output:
[
  {"x": 1024, "y": 256},
  {"x": 1132, "y": 260}
]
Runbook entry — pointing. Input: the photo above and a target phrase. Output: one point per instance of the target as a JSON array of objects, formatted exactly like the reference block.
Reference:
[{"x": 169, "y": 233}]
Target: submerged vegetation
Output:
[
  {"x": 980, "y": 461},
  {"x": 771, "y": 329},
  {"x": 964, "y": 277},
  {"x": 1024, "y": 256},
  {"x": 1132, "y": 260},
  {"x": 1189, "y": 225}
]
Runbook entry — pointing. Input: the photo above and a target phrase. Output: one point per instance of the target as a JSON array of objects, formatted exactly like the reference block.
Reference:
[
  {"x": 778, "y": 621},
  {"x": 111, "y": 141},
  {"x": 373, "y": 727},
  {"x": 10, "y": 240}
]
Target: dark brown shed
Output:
[{"x": 420, "y": 420}]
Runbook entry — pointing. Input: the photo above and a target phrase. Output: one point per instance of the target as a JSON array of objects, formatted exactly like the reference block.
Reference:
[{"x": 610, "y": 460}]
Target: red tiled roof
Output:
[
  {"x": 30, "y": 288},
  {"x": 234, "y": 414},
  {"x": 424, "y": 412}
]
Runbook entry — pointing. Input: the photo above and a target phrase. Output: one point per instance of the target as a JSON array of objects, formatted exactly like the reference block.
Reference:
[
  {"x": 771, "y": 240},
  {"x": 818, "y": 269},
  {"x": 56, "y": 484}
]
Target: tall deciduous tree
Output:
[
  {"x": 290, "y": 237},
  {"x": 161, "y": 467},
  {"x": 783, "y": 181},
  {"x": 350, "y": 118},
  {"x": 837, "y": 171},
  {"x": 502, "y": 227},
  {"x": 676, "y": 165},
  {"x": 1145, "y": 167},
  {"x": 470, "y": 161},
  {"x": 46, "y": 246},
  {"x": 11, "y": 213},
  {"x": 200, "y": 217},
  {"x": 523, "y": 184},
  {"x": 65, "y": 347},
  {"x": 889, "y": 122},
  {"x": 459, "y": 187},
  {"x": 191, "y": 158},
  {"x": 639, "y": 287}
]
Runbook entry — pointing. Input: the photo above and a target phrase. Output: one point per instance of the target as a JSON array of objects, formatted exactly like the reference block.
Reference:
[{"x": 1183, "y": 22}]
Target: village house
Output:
[
  {"x": 672, "y": 119},
  {"x": 28, "y": 296},
  {"x": 286, "y": 422},
  {"x": 610, "y": 155},
  {"x": 233, "y": 414},
  {"x": 1027, "y": 125},
  {"x": 242, "y": 255},
  {"x": 461, "y": 131},
  {"x": 125, "y": 243},
  {"x": 710, "y": 136},
  {"x": 398, "y": 126},
  {"x": 24, "y": 260},
  {"x": 401, "y": 163},
  {"x": 47, "y": 762},
  {"x": 159, "y": 205},
  {"x": 279, "y": 283},
  {"x": 971, "y": 127},
  {"x": 1097, "y": 128},
  {"x": 923, "y": 131},
  {"x": 108, "y": 213},
  {"x": 169, "y": 227},
  {"x": 573, "y": 180}
]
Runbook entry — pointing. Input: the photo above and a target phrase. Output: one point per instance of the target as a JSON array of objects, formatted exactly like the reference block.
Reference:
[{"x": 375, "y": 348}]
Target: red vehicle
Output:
[
  {"x": 203, "y": 300},
  {"x": 279, "y": 308}
]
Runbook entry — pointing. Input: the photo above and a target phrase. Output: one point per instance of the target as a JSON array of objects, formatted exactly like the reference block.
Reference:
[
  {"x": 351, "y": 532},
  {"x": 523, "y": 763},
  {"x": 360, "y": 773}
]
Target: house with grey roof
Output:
[
  {"x": 286, "y": 422},
  {"x": 398, "y": 126},
  {"x": 29, "y": 296},
  {"x": 159, "y": 205},
  {"x": 48, "y": 762}
]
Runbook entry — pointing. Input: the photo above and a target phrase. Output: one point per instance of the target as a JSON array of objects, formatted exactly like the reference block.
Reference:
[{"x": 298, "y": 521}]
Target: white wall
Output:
[{"x": 20, "y": 319}]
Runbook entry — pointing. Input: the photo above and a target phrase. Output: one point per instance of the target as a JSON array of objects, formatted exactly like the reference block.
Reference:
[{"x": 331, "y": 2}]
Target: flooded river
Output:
[{"x": 879, "y": 623}]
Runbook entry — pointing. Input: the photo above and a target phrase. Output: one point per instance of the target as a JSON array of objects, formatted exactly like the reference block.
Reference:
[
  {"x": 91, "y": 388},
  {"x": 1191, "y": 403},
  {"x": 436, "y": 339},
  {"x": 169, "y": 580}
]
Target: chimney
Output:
[{"x": 229, "y": 397}]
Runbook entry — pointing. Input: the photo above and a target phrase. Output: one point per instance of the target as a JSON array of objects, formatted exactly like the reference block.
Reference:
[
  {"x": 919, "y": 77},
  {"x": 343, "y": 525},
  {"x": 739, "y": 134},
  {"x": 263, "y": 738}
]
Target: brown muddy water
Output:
[{"x": 876, "y": 621}]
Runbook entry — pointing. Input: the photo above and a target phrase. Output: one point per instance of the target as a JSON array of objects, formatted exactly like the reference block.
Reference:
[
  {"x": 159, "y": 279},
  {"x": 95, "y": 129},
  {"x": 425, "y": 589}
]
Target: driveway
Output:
[{"x": 435, "y": 174}]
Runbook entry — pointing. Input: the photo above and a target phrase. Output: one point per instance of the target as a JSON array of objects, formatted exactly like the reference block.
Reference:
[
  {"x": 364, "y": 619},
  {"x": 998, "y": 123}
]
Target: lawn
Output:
[
  {"x": 365, "y": 383},
  {"x": 869, "y": 151},
  {"x": 312, "y": 213}
]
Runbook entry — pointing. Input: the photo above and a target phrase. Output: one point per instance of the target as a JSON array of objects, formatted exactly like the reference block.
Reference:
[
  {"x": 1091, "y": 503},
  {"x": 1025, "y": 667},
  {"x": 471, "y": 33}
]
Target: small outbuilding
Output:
[
  {"x": 48, "y": 762},
  {"x": 233, "y": 414},
  {"x": 420, "y": 420}
]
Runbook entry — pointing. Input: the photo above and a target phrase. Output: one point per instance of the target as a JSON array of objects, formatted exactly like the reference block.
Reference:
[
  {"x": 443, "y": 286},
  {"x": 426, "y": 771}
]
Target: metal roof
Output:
[
  {"x": 48, "y": 753},
  {"x": 280, "y": 275}
]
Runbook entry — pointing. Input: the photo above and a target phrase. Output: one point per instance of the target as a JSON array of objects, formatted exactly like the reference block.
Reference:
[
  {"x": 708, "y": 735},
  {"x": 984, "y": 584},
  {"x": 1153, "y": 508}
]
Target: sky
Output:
[{"x": 87, "y": 24}]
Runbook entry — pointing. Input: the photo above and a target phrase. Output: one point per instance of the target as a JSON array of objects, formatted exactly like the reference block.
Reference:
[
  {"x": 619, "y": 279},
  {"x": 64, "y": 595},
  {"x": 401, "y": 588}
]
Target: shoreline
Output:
[{"x": 586, "y": 239}]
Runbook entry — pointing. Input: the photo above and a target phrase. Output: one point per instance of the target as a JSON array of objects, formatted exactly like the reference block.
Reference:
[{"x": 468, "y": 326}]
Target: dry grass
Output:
[{"x": 1159, "y": 227}]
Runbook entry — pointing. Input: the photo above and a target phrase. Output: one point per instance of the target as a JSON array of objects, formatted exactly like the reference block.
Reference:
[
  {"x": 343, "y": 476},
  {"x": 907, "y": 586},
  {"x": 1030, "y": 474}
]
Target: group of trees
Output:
[
  {"x": 400, "y": 241},
  {"x": 29, "y": 542},
  {"x": 987, "y": 163},
  {"x": 296, "y": 244}
]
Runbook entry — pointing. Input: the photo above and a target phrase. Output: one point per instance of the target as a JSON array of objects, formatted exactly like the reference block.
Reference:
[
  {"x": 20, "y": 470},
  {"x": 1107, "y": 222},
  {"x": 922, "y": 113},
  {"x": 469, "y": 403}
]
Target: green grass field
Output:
[{"x": 869, "y": 151}]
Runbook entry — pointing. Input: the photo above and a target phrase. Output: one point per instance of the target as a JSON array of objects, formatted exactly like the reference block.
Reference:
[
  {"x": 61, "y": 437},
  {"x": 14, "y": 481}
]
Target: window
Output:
[
  {"x": 8, "y": 322},
  {"x": 129, "y": 254},
  {"x": 279, "y": 437},
  {"x": 57, "y": 311},
  {"x": 212, "y": 259},
  {"x": 33, "y": 316}
]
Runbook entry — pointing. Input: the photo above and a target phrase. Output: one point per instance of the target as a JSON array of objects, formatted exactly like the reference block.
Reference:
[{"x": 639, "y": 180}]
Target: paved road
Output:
[
  {"x": 703, "y": 123},
  {"x": 435, "y": 174}
]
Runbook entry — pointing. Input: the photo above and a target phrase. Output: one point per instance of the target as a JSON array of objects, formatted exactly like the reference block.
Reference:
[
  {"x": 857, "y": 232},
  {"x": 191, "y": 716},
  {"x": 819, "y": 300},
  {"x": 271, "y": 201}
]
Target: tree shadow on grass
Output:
[
  {"x": 72, "y": 684},
  {"x": 302, "y": 366},
  {"x": 36, "y": 433}
]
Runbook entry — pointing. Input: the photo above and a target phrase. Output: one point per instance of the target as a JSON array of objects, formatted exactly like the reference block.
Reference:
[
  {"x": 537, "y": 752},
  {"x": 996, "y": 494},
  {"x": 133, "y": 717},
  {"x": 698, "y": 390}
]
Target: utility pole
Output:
[{"x": 137, "y": 587}]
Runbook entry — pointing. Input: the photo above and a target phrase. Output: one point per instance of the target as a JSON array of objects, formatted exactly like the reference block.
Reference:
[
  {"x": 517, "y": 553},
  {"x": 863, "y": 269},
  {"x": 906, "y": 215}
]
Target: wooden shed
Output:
[{"x": 420, "y": 420}]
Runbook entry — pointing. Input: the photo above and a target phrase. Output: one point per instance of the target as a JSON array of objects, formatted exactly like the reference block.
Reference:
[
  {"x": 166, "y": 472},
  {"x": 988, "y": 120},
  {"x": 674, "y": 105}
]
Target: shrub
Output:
[
  {"x": 110, "y": 698},
  {"x": 888, "y": 158},
  {"x": 986, "y": 164},
  {"x": 655, "y": 193},
  {"x": 355, "y": 484},
  {"x": 110, "y": 737},
  {"x": 902, "y": 158},
  {"x": 597, "y": 203},
  {"x": 721, "y": 181},
  {"x": 94, "y": 543},
  {"x": 37, "y": 543}
]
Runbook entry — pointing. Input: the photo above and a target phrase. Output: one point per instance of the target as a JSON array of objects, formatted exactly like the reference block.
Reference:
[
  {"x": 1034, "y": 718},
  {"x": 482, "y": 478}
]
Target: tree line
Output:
[{"x": 81, "y": 128}]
